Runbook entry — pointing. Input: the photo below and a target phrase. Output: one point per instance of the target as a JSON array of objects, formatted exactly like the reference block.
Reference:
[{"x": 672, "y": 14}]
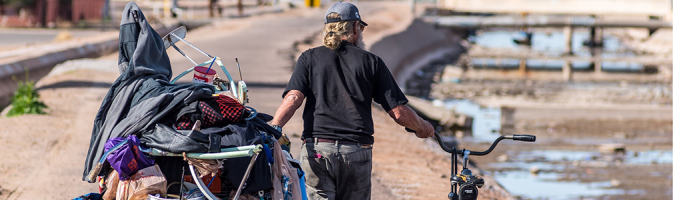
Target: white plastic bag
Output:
[{"x": 147, "y": 181}]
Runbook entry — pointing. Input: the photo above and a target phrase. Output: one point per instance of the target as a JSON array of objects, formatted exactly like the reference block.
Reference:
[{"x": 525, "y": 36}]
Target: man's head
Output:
[{"x": 343, "y": 22}]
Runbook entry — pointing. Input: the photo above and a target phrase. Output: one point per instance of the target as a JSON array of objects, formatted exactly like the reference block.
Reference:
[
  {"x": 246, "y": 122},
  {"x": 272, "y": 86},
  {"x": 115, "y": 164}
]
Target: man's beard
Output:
[{"x": 360, "y": 42}]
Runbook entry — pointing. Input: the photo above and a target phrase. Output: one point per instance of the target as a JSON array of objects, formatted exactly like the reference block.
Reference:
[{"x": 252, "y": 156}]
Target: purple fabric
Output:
[{"x": 128, "y": 159}]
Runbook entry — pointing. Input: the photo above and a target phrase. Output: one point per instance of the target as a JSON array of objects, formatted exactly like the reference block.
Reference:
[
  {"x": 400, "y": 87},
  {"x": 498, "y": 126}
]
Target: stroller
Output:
[{"x": 160, "y": 123}]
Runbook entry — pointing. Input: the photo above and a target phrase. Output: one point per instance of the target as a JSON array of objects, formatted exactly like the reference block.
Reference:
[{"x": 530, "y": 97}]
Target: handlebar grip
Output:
[
  {"x": 409, "y": 130},
  {"x": 525, "y": 138}
]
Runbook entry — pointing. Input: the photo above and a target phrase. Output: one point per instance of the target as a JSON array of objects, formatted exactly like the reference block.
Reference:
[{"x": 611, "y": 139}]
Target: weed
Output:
[{"x": 26, "y": 100}]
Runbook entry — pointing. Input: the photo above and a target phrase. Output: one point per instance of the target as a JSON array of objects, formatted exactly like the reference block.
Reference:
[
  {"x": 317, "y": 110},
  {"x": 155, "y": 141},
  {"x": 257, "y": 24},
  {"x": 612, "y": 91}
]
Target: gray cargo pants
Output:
[{"x": 337, "y": 171}]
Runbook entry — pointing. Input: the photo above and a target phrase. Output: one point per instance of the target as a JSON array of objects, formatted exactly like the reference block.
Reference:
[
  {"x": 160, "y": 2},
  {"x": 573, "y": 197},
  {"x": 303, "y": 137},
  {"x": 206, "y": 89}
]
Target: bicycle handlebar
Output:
[{"x": 525, "y": 138}]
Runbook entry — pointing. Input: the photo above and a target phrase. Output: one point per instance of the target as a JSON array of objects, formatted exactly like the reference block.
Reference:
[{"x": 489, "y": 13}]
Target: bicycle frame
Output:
[
  {"x": 466, "y": 174},
  {"x": 454, "y": 158}
]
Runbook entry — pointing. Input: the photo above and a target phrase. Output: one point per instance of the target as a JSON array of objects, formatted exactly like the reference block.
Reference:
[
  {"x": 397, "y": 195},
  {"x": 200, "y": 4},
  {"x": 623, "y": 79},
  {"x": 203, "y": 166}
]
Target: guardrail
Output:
[
  {"x": 568, "y": 7},
  {"x": 541, "y": 21}
]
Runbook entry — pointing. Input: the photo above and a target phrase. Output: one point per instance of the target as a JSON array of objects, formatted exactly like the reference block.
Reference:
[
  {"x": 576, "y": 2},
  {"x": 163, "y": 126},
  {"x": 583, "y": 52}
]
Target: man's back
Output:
[
  {"x": 339, "y": 86},
  {"x": 339, "y": 82}
]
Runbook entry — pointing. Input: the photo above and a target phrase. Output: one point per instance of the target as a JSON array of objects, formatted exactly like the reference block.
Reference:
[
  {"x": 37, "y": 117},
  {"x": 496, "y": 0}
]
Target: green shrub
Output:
[{"x": 26, "y": 100}]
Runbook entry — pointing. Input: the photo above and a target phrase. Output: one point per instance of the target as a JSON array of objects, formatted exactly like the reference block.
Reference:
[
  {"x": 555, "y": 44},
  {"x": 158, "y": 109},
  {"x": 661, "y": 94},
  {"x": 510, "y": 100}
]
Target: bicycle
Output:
[{"x": 466, "y": 184}]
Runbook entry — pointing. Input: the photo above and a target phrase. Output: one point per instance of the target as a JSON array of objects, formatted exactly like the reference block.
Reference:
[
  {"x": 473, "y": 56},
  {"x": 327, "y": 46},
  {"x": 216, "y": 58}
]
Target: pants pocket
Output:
[
  {"x": 361, "y": 156},
  {"x": 317, "y": 174},
  {"x": 356, "y": 178}
]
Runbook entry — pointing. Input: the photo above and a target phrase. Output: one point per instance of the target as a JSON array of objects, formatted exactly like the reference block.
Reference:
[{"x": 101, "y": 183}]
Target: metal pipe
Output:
[
  {"x": 245, "y": 176},
  {"x": 183, "y": 54},
  {"x": 227, "y": 153},
  {"x": 191, "y": 45},
  {"x": 540, "y": 21}
]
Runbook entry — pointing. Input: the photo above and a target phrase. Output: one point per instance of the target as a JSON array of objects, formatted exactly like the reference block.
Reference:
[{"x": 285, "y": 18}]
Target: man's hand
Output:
[{"x": 427, "y": 130}]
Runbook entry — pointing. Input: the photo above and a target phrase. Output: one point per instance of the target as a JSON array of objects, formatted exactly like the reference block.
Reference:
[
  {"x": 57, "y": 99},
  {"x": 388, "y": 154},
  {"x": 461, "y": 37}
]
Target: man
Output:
[
  {"x": 339, "y": 81},
  {"x": 212, "y": 4}
]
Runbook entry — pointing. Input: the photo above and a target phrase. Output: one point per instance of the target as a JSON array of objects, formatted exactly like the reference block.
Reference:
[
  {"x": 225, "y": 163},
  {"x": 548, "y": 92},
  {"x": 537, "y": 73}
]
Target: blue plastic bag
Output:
[{"x": 90, "y": 196}]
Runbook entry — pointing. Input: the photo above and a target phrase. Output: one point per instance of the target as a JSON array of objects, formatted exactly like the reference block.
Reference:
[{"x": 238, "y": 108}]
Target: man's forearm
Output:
[
  {"x": 406, "y": 117},
  {"x": 292, "y": 101}
]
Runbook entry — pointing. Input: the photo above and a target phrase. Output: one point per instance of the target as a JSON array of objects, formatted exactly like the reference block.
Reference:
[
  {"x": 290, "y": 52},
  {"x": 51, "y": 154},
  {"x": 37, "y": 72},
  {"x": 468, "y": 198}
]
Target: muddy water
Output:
[
  {"x": 486, "y": 119},
  {"x": 552, "y": 44},
  {"x": 554, "y": 180}
]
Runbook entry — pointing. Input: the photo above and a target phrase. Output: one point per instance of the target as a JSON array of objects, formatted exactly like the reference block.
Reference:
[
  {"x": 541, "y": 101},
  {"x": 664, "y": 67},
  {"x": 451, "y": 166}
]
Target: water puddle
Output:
[
  {"x": 555, "y": 160},
  {"x": 514, "y": 174},
  {"x": 552, "y": 45},
  {"x": 544, "y": 186},
  {"x": 486, "y": 120}
]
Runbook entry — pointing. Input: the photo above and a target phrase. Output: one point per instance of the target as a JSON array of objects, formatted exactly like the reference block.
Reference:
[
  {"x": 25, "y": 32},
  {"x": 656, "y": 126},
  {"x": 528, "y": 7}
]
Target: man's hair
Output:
[{"x": 334, "y": 31}]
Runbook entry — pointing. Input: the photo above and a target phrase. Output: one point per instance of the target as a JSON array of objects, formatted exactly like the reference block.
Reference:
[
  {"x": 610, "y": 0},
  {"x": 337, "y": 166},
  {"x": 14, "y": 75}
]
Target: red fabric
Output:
[
  {"x": 228, "y": 111},
  {"x": 184, "y": 123}
]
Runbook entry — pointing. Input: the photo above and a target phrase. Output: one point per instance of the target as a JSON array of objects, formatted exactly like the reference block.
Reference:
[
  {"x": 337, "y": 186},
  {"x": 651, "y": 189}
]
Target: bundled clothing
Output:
[
  {"x": 142, "y": 96},
  {"x": 221, "y": 109},
  {"x": 142, "y": 108}
]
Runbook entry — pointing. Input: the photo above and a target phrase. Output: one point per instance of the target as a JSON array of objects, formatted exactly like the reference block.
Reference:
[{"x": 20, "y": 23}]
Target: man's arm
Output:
[
  {"x": 406, "y": 117},
  {"x": 292, "y": 101}
]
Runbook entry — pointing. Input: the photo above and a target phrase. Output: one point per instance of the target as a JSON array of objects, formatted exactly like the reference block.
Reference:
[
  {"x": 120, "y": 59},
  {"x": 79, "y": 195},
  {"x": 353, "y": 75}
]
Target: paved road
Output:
[{"x": 21, "y": 37}]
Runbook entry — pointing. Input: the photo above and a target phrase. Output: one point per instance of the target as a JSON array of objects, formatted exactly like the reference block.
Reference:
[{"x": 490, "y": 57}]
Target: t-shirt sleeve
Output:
[
  {"x": 300, "y": 77},
  {"x": 386, "y": 93}
]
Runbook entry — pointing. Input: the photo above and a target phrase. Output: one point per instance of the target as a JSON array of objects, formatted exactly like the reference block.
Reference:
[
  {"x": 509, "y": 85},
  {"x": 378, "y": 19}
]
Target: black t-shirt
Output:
[{"x": 339, "y": 86}]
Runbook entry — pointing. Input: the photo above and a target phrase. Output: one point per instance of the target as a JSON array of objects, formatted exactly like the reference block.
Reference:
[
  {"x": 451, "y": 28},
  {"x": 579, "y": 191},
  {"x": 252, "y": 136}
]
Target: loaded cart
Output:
[{"x": 157, "y": 139}]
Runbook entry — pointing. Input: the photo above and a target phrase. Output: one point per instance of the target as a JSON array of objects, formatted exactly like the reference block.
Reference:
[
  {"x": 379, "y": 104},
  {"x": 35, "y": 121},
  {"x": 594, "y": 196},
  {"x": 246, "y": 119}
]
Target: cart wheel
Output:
[{"x": 202, "y": 186}]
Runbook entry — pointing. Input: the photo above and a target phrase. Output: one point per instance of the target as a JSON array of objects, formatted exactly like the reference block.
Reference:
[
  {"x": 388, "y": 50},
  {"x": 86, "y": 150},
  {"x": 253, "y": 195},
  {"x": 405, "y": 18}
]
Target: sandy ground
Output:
[{"x": 44, "y": 154}]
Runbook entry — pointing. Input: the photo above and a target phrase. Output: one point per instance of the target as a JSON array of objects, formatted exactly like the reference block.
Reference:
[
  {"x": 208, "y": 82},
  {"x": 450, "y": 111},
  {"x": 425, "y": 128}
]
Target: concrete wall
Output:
[
  {"x": 571, "y": 7},
  {"x": 411, "y": 49}
]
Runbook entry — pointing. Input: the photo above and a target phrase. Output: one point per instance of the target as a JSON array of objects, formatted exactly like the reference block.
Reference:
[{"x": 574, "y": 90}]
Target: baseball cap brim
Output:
[
  {"x": 363, "y": 23},
  {"x": 332, "y": 20}
]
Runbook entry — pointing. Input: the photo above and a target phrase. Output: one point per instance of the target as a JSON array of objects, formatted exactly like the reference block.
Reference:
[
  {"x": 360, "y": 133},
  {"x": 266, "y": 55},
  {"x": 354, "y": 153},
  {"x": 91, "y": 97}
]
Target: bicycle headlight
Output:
[{"x": 467, "y": 192}]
